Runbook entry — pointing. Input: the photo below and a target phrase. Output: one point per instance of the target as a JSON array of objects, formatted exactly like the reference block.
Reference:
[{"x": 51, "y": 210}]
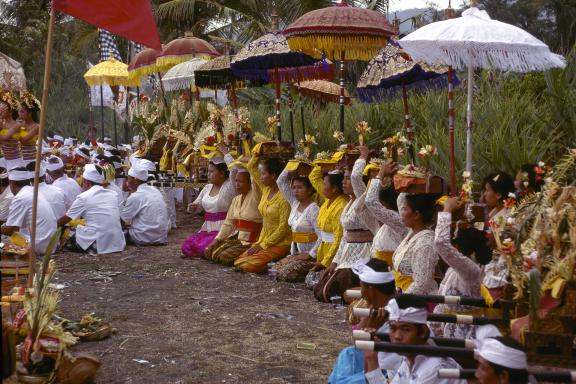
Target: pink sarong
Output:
[{"x": 195, "y": 245}]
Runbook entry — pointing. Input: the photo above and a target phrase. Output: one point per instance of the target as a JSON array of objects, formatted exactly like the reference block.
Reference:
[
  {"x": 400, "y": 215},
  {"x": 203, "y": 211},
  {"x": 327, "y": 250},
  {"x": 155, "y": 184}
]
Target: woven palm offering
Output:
[{"x": 538, "y": 242}]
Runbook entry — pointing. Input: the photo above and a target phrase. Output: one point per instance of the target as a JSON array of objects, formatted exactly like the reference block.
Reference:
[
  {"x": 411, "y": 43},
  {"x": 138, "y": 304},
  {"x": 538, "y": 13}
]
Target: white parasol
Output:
[
  {"x": 476, "y": 41},
  {"x": 11, "y": 74},
  {"x": 181, "y": 76}
]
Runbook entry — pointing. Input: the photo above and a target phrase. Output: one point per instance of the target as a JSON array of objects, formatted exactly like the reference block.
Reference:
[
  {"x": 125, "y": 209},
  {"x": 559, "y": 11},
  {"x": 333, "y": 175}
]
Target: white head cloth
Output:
[
  {"x": 58, "y": 138},
  {"x": 407, "y": 315},
  {"x": 78, "y": 152},
  {"x": 497, "y": 353},
  {"x": 370, "y": 276},
  {"x": 17, "y": 175},
  {"x": 146, "y": 164},
  {"x": 65, "y": 151},
  {"x": 68, "y": 141},
  {"x": 91, "y": 174},
  {"x": 54, "y": 163},
  {"x": 138, "y": 172}
]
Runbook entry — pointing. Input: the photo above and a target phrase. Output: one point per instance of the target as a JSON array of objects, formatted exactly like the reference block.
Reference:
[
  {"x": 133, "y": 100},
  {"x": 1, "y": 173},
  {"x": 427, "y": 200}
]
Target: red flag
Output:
[{"x": 131, "y": 19}]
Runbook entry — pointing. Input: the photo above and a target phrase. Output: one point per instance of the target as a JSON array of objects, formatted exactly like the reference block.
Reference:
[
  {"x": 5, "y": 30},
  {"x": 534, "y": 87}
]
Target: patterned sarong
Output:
[
  {"x": 292, "y": 270},
  {"x": 258, "y": 262},
  {"x": 226, "y": 251}
]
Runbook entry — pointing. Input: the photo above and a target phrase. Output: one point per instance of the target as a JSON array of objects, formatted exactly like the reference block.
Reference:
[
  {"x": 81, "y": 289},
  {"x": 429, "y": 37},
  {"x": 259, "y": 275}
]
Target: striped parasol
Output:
[
  {"x": 185, "y": 48},
  {"x": 324, "y": 91}
]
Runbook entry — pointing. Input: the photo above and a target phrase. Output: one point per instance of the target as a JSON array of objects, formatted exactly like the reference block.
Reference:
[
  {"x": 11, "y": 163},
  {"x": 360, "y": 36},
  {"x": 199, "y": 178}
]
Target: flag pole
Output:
[{"x": 43, "y": 111}]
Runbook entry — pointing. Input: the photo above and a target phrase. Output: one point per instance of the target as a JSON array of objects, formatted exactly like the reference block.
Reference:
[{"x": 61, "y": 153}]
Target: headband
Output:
[
  {"x": 18, "y": 175},
  {"x": 92, "y": 174},
  {"x": 407, "y": 315},
  {"x": 495, "y": 352},
  {"x": 54, "y": 163},
  {"x": 369, "y": 276}
]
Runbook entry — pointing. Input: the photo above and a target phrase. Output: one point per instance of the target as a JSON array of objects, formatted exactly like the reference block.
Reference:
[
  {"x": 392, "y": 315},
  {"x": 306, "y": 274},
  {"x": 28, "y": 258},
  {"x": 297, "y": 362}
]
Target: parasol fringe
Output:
[
  {"x": 491, "y": 55},
  {"x": 361, "y": 48},
  {"x": 372, "y": 94},
  {"x": 169, "y": 61}
]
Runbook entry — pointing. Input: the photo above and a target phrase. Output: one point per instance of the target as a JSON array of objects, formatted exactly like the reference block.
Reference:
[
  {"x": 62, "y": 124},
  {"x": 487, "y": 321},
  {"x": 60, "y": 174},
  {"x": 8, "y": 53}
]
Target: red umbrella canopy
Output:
[
  {"x": 184, "y": 49},
  {"x": 144, "y": 63},
  {"x": 341, "y": 30}
]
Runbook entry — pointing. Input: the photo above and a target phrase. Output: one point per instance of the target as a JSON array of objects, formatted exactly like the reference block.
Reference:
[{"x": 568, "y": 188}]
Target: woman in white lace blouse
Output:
[
  {"x": 299, "y": 193},
  {"x": 464, "y": 275}
]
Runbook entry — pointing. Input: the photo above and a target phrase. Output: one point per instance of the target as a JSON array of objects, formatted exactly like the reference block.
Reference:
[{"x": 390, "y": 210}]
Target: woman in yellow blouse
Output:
[
  {"x": 330, "y": 188},
  {"x": 276, "y": 236},
  {"x": 243, "y": 223},
  {"x": 9, "y": 129}
]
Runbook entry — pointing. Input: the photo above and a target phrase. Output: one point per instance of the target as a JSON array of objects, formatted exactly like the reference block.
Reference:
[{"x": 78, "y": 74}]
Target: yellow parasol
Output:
[{"x": 110, "y": 72}]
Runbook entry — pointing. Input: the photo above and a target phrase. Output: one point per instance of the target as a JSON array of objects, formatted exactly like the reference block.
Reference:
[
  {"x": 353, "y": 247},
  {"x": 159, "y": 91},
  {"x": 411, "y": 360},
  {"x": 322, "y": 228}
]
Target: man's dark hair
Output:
[{"x": 381, "y": 266}]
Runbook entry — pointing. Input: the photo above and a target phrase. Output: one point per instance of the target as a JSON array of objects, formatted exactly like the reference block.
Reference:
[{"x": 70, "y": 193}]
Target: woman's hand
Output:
[
  {"x": 330, "y": 270},
  {"x": 192, "y": 208},
  {"x": 377, "y": 318},
  {"x": 364, "y": 152},
  {"x": 453, "y": 204},
  {"x": 317, "y": 267},
  {"x": 388, "y": 170},
  {"x": 222, "y": 148},
  {"x": 255, "y": 249}
]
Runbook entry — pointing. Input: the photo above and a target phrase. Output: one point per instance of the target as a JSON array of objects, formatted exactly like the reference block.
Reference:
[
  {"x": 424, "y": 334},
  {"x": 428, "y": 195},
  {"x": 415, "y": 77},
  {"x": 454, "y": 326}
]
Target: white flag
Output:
[{"x": 108, "y": 96}]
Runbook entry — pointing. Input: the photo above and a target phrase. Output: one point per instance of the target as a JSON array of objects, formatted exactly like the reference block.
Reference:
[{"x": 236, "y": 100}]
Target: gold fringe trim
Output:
[
  {"x": 361, "y": 48},
  {"x": 168, "y": 62}
]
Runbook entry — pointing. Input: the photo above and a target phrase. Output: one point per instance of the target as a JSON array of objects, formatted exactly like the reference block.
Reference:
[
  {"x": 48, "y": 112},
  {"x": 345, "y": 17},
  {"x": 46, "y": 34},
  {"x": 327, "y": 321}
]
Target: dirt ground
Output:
[{"x": 191, "y": 321}]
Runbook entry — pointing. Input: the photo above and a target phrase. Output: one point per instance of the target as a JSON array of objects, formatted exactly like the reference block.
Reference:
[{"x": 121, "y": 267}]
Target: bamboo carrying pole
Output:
[
  {"x": 556, "y": 377},
  {"x": 278, "y": 121},
  {"x": 45, "y": 86},
  {"x": 451, "y": 130}
]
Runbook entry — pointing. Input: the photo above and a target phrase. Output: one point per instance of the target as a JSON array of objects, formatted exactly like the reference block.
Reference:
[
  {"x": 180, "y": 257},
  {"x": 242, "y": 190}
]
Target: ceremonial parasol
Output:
[
  {"x": 392, "y": 73},
  {"x": 476, "y": 41},
  {"x": 11, "y": 73},
  {"x": 341, "y": 32},
  {"x": 185, "y": 48},
  {"x": 181, "y": 76},
  {"x": 109, "y": 72},
  {"x": 271, "y": 52},
  {"x": 217, "y": 73},
  {"x": 324, "y": 91},
  {"x": 144, "y": 63}
]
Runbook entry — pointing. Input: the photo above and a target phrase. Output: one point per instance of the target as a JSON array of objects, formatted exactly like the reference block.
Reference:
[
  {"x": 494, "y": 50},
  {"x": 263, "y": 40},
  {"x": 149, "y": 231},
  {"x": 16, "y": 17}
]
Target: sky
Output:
[{"x": 398, "y": 5}]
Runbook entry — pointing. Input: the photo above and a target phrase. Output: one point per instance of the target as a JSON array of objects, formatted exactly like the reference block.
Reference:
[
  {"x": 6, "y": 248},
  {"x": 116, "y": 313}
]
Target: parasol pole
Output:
[
  {"x": 278, "y": 122},
  {"x": 451, "y": 130},
  {"x": 114, "y": 114},
  {"x": 408, "y": 124},
  {"x": 342, "y": 91},
  {"x": 102, "y": 111},
  {"x": 234, "y": 98},
  {"x": 301, "y": 103},
  {"x": 45, "y": 85},
  {"x": 469, "y": 121},
  {"x": 291, "y": 117}
]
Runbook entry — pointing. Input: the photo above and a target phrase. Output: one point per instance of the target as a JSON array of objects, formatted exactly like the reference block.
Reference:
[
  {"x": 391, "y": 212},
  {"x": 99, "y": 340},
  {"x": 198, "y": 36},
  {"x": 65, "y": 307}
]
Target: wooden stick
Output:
[
  {"x": 45, "y": 86},
  {"x": 557, "y": 377}
]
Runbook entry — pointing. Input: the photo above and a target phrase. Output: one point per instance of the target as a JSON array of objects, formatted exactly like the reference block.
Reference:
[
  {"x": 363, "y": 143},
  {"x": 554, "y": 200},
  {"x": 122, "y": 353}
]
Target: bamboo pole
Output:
[
  {"x": 451, "y": 130},
  {"x": 278, "y": 117},
  {"x": 342, "y": 90},
  {"x": 45, "y": 86}
]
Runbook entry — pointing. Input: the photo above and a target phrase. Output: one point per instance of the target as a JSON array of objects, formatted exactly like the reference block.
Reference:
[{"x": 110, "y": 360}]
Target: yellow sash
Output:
[
  {"x": 402, "y": 281},
  {"x": 385, "y": 256},
  {"x": 304, "y": 237}
]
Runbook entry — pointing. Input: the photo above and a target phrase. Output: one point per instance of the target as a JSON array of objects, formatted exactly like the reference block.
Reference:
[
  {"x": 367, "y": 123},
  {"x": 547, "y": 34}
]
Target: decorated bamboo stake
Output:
[
  {"x": 359, "y": 335},
  {"x": 234, "y": 98},
  {"x": 278, "y": 121},
  {"x": 426, "y": 350},
  {"x": 342, "y": 56},
  {"x": 451, "y": 130},
  {"x": 301, "y": 103},
  {"x": 115, "y": 129},
  {"x": 43, "y": 110}
]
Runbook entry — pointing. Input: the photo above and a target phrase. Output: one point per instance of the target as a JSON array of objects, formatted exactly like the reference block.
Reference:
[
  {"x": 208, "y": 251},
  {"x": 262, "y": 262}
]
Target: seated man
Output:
[
  {"x": 99, "y": 208},
  {"x": 242, "y": 225},
  {"x": 145, "y": 210},
  {"x": 54, "y": 195},
  {"x": 55, "y": 168},
  {"x": 20, "y": 211},
  {"x": 353, "y": 366},
  {"x": 408, "y": 325},
  {"x": 502, "y": 361}
]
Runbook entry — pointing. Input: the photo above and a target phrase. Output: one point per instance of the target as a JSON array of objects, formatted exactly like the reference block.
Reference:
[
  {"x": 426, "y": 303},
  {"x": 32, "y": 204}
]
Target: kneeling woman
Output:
[
  {"x": 274, "y": 241},
  {"x": 243, "y": 223},
  {"x": 299, "y": 193},
  {"x": 214, "y": 199}
]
